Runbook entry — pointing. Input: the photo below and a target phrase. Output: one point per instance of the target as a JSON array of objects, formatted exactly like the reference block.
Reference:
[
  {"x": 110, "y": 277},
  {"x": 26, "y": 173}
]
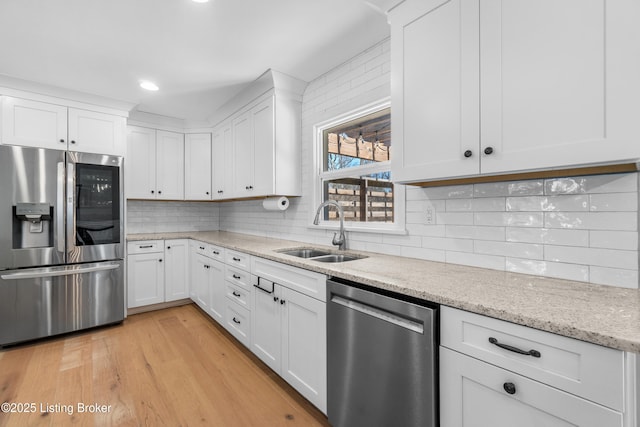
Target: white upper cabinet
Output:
[
  {"x": 93, "y": 132},
  {"x": 222, "y": 161},
  {"x": 242, "y": 155},
  {"x": 33, "y": 124},
  {"x": 197, "y": 170},
  {"x": 264, "y": 147},
  {"x": 493, "y": 86},
  {"x": 155, "y": 164},
  {"x": 40, "y": 124}
]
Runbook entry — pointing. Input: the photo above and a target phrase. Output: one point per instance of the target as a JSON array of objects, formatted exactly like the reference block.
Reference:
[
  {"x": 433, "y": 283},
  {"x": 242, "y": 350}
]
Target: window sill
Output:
[{"x": 397, "y": 229}]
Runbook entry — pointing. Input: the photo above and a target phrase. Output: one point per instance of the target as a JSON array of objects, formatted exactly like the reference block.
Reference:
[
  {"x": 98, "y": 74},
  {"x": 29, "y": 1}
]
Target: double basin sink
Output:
[{"x": 320, "y": 255}]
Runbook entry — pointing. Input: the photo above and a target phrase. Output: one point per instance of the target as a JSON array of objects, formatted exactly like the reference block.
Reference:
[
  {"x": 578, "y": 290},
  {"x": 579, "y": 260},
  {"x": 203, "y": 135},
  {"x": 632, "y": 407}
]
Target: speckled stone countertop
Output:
[{"x": 604, "y": 315}]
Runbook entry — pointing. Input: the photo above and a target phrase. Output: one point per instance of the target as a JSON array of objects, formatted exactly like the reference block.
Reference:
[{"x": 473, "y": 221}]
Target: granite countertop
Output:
[{"x": 604, "y": 315}]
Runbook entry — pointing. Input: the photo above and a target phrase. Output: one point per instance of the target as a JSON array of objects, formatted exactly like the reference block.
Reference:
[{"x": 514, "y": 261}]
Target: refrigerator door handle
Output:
[
  {"x": 59, "y": 231},
  {"x": 52, "y": 272},
  {"x": 71, "y": 215}
]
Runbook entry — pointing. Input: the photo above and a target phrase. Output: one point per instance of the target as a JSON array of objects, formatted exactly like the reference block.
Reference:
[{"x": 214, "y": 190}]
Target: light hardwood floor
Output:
[{"x": 173, "y": 367}]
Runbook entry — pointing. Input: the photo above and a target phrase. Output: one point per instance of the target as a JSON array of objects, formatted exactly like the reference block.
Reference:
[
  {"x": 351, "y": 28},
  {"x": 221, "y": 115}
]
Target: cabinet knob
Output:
[
  {"x": 468, "y": 153},
  {"x": 509, "y": 388},
  {"x": 207, "y": 193},
  {"x": 159, "y": 192},
  {"x": 488, "y": 150},
  {"x": 72, "y": 141},
  {"x": 275, "y": 299},
  {"x": 168, "y": 247},
  {"x": 160, "y": 260},
  {"x": 282, "y": 302},
  {"x": 220, "y": 191},
  {"x": 62, "y": 141},
  {"x": 152, "y": 191}
]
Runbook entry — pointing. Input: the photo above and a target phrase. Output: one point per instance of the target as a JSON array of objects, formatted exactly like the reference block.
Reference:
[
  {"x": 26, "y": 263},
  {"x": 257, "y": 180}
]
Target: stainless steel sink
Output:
[
  {"x": 320, "y": 255},
  {"x": 305, "y": 252},
  {"x": 336, "y": 258}
]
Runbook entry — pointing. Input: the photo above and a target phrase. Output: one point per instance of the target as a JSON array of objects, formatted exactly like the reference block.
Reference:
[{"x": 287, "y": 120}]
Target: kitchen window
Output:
[{"x": 354, "y": 169}]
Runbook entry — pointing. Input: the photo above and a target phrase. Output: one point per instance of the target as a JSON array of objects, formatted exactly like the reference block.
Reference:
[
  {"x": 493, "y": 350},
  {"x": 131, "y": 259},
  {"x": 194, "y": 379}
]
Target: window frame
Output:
[{"x": 319, "y": 175}]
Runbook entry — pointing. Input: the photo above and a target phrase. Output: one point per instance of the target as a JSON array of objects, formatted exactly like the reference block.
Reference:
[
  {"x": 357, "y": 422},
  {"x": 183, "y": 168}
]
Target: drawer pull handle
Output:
[
  {"x": 509, "y": 388},
  {"x": 201, "y": 247},
  {"x": 235, "y": 276},
  {"x": 236, "y": 259},
  {"x": 236, "y": 321},
  {"x": 532, "y": 353},
  {"x": 216, "y": 253},
  {"x": 235, "y": 294},
  {"x": 145, "y": 246}
]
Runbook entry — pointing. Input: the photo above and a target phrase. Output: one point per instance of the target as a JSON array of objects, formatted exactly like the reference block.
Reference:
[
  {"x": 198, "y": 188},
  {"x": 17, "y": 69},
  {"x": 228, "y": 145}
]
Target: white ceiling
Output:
[{"x": 199, "y": 54}]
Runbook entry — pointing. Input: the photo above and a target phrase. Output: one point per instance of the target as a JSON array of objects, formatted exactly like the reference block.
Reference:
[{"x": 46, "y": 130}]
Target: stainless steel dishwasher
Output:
[{"x": 382, "y": 366}]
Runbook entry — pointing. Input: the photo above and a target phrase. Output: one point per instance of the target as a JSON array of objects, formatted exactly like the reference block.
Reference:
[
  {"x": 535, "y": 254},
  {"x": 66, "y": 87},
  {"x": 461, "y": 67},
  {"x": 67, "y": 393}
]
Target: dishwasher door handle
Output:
[{"x": 379, "y": 313}]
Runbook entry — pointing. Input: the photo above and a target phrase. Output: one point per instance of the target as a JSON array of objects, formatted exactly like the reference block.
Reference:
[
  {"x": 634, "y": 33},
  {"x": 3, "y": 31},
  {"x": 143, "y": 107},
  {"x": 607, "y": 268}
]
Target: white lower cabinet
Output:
[
  {"x": 289, "y": 334},
  {"x": 176, "y": 277},
  {"x": 207, "y": 278},
  {"x": 145, "y": 279},
  {"x": 495, "y": 373}
]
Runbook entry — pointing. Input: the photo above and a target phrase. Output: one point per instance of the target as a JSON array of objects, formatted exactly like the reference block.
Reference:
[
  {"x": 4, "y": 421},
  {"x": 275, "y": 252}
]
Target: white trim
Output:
[{"x": 398, "y": 226}]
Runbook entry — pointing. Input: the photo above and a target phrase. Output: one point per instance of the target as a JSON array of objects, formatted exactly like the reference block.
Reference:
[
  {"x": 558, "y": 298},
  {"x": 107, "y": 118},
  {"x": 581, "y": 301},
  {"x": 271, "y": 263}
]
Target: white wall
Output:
[{"x": 583, "y": 229}]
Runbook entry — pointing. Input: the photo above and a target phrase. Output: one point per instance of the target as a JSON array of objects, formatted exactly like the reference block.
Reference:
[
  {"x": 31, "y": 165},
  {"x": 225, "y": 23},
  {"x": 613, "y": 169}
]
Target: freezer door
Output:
[
  {"x": 41, "y": 302},
  {"x": 32, "y": 215}
]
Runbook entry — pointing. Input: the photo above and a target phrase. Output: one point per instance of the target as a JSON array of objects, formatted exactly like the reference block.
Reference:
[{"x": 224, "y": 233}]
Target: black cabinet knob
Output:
[
  {"x": 160, "y": 260},
  {"x": 509, "y": 388},
  {"x": 159, "y": 192},
  {"x": 488, "y": 150},
  {"x": 62, "y": 140},
  {"x": 275, "y": 299},
  {"x": 282, "y": 302},
  {"x": 72, "y": 141},
  {"x": 168, "y": 247},
  {"x": 207, "y": 193},
  {"x": 468, "y": 153},
  {"x": 152, "y": 191},
  {"x": 220, "y": 191}
]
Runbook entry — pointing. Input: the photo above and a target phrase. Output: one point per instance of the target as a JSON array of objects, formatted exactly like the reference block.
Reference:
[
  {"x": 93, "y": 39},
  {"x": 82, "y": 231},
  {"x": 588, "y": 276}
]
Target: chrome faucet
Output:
[{"x": 338, "y": 240}]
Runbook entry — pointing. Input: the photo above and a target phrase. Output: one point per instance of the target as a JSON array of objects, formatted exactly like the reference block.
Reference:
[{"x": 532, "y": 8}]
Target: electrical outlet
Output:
[{"x": 430, "y": 218}]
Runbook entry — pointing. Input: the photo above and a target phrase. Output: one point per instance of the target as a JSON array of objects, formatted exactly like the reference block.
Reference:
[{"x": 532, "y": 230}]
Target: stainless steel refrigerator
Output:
[{"x": 61, "y": 242}]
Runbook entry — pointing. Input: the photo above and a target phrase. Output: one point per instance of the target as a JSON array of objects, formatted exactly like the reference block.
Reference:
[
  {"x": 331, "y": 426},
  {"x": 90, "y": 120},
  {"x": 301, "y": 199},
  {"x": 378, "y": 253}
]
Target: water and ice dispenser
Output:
[{"x": 32, "y": 225}]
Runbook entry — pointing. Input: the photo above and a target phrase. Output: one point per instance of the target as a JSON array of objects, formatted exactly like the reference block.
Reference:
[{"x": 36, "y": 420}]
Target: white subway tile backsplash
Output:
[
  {"x": 458, "y": 218},
  {"x": 549, "y": 269},
  {"x": 516, "y": 250},
  {"x": 613, "y": 183},
  {"x": 423, "y": 253},
  {"x": 494, "y": 204},
  {"x": 509, "y": 219},
  {"x": 449, "y": 192},
  {"x": 548, "y": 236},
  {"x": 476, "y": 260},
  {"x": 547, "y": 203},
  {"x": 461, "y": 245},
  {"x": 614, "y": 202},
  {"x": 614, "y": 277},
  {"x": 592, "y": 256},
  {"x": 626, "y": 240},
  {"x": 475, "y": 232},
  {"x": 592, "y": 220}
]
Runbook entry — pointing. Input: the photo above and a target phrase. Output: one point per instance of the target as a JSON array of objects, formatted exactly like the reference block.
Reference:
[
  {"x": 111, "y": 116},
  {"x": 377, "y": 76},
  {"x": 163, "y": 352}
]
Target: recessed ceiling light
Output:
[{"x": 145, "y": 84}]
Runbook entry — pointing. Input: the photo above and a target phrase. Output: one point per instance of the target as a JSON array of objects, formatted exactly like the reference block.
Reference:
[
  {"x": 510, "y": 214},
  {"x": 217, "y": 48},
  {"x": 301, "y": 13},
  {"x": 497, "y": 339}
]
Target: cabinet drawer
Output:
[
  {"x": 238, "y": 322},
  {"x": 145, "y": 247},
  {"x": 475, "y": 393},
  {"x": 587, "y": 370},
  {"x": 238, "y": 294},
  {"x": 199, "y": 247},
  {"x": 215, "y": 252},
  {"x": 307, "y": 282},
  {"x": 238, "y": 259},
  {"x": 237, "y": 277}
]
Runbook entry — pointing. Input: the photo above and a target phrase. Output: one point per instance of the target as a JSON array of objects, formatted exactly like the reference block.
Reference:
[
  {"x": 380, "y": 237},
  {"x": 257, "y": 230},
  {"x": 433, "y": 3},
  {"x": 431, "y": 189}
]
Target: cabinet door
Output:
[
  {"x": 304, "y": 346},
  {"x": 145, "y": 279},
  {"x": 93, "y": 132},
  {"x": 217, "y": 290},
  {"x": 266, "y": 340},
  {"x": 140, "y": 163},
  {"x": 262, "y": 119},
  {"x": 169, "y": 165},
  {"x": 559, "y": 84},
  {"x": 434, "y": 56},
  {"x": 222, "y": 161},
  {"x": 175, "y": 269},
  {"x": 200, "y": 266},
  {"x": 476, "y": 394},
  {"x": 197, "y": 172},
  {"x": 242, "y": 156},
  {"x": 33, "y": 123}
]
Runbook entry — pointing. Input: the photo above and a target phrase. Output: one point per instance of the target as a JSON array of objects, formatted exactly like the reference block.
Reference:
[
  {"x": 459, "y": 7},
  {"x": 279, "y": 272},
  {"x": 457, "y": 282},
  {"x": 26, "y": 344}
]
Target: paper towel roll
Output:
[{"x": 275, "y": 203}]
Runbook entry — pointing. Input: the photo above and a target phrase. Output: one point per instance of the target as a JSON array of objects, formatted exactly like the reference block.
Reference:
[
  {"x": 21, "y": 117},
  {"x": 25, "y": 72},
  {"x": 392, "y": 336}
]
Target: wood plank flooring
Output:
[{"x": 172, "y": 367}]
